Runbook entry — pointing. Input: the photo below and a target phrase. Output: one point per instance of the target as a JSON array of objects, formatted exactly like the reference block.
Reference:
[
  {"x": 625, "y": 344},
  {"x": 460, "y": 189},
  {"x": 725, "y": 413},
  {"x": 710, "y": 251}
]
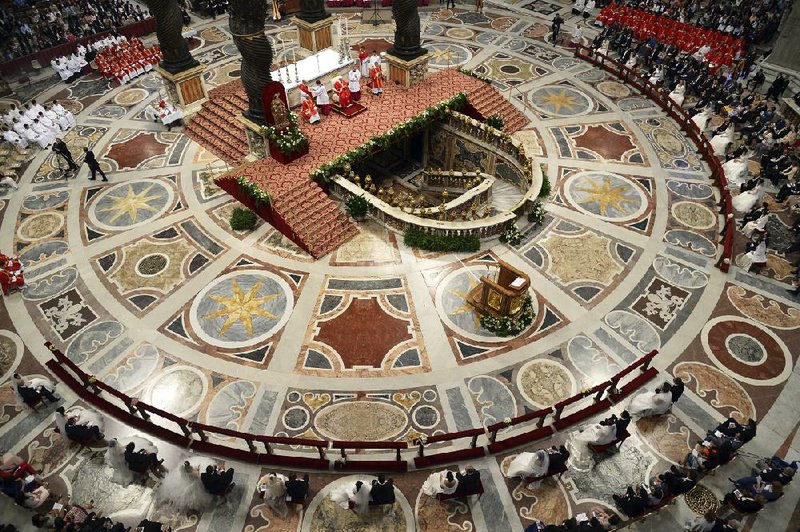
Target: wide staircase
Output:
[
  {"x": 215, "y": 126},
  {"x": 485, "y": 100},
  {"x": 306, "y": 209}
]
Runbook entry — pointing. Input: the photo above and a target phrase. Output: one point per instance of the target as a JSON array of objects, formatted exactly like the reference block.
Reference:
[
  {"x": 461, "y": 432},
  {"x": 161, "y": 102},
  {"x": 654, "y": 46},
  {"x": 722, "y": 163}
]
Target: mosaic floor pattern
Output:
[{"x": 143, "y": 283}]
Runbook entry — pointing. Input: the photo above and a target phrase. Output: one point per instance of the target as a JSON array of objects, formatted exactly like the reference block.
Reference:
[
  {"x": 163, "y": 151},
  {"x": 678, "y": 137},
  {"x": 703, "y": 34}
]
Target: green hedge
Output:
[
  {"x": 417, "y": 239},
  {"x": 243, "y": 219}
]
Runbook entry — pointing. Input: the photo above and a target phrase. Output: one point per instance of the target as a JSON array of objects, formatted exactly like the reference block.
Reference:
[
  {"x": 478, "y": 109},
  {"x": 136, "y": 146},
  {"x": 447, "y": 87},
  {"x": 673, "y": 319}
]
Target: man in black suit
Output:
[
  {"x": 622, "y": 423},
  {"x": 93, "y": 165},
  {"x": 469, "y": 482},
  {"x": 382, "y": 491},
  {"x": 217, "y": 482},
  {"x": 61, "y": 148},
  {"x": 296, "y": 488},
  {"x": 631, "y": 503},
  {"x": 557, "y": 459},
  {"x": 676, "y": 389}
]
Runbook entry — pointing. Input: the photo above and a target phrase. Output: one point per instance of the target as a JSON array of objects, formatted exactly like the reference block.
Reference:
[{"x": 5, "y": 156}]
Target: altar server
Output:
[
  {"x": 354, "y": 78},
  {"x": 321, "y": 95}
]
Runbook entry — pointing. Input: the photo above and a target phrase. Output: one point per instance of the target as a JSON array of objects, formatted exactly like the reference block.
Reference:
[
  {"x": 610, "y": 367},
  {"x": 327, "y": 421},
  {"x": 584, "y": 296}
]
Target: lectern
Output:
[{"x": 503, "y": 294}]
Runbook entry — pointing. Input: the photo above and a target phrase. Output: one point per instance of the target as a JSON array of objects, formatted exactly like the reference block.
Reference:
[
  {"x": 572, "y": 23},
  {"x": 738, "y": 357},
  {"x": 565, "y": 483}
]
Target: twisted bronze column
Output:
[
  {"x": 247, "y": 26},
  {"x": 312, "y": 10},
  {"x": 407, "y": 33},
  {"x": 169, "y": 24}
]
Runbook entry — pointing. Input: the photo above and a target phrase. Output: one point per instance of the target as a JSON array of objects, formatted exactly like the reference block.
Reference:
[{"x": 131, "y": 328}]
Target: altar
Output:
[{"x": 323, "y": 65}]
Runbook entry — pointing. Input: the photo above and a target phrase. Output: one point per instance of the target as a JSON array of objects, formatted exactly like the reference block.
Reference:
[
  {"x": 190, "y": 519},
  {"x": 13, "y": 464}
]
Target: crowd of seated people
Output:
[
  {"x": 209, "y": 8},
  {"x": 751, "y": 127},
  {"x": 28, "y": 29},
  {"x": 12, "y": 273},
  {"x": 716, "y": 47},
  {"x": 754, "y": 20},
  {"x": 765, "y": 484},
  {"x": 720, "y": 444},
  {"x": 128, "y": 59}
]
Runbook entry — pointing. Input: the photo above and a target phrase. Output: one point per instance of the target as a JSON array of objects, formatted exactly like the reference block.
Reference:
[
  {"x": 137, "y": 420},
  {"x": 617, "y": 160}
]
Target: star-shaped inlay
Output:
[
  {"x": 241, "y": 307},
  {"x": 557, "y": 100},
  {"x": 466, "y": 308},
  {"x": 131, "y": 203},
  {"x": 606, "y": 195}
]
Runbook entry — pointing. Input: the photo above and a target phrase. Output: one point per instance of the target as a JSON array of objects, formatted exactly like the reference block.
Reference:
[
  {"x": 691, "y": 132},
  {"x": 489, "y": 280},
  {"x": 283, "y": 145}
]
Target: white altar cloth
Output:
[{"x": 311, "y": 69}]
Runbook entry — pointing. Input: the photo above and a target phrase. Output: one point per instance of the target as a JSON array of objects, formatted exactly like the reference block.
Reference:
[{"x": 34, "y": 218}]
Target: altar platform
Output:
[{"x": 300, "y": 209}]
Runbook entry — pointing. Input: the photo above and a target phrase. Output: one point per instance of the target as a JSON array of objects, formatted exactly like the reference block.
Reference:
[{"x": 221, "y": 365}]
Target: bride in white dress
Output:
[
  {"x": 678, "y": 94},
  {"x": 736, "y": 171},
  {"x": 355, "y": 492},
  {"x": 701, "y": 119},
  {"x": 115, "y": 457},
  {"x": 444, "y": 482},
  {"x": 759, "y": 224},
  {"x": 719, "y": 143},
  {"x": 597, "y": 434},
  {"x": 650, "y": 404},
  {"x": 529, "y": 465},
  {"x": 183, "y": 488},
  {"x": 757, "y": 256},
  {"x": 744, "y": 202}
]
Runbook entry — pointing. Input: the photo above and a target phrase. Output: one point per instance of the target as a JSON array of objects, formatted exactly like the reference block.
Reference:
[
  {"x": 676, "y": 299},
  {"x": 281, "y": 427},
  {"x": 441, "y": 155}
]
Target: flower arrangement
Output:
[
  {"x": 384, "y": 140},
  {"x": 508, "y": 326},
  {"x": 256, "y": 193},
  {"x": 511, "y": 236},
  {"x": 495, "y": 121},
  {"x": 289, "y": 140},
  {"x": 243, "y": 219},
  {"x": 507, "y": 421},
  {"x": 357, "y": 207},
  {"x": 536, "y": 214},
  {"x": 473, "y": 74}
]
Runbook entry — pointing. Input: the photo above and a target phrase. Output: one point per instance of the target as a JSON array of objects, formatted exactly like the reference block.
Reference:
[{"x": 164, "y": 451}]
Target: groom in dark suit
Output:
[
  {"x": 382, "y": 491},
  {"x": 469, "y": 482},
  {"x": 217, "y": 482}
]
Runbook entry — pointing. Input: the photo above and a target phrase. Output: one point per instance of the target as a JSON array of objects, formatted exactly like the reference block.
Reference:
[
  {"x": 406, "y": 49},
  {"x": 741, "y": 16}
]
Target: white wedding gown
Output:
[
  {"x": 735, "y": 171},
  {"x": 115, "y": 457},
  {"x": 650, "y": 404},
  {"x": 756, "y": 225},
  {"x": 744, "y": 202},
  {"x": 719, "y": 143},
  {"x": 678, "y": 94},
  {"x": 184, "y": 489},
  {"x": 757, "y": 256},
  {"x": 529, "y": 465},
  {"x": 433, "y": 484},
  {"x": 701, "y": 119},
  {"x": 597, "y": 434},
  {"x": 346, "y": 493}
]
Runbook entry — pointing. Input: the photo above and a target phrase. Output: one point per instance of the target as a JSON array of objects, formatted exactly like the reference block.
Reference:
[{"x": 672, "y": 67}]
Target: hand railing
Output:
[{"x": 197, "y": 435}]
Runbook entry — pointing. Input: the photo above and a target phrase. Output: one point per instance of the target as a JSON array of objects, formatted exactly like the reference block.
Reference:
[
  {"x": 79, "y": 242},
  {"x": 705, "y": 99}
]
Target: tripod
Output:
[{"x": 376, "y": 18}]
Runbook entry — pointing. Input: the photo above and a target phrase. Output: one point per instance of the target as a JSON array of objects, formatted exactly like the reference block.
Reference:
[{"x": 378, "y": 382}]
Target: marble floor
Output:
[{"x": 142, "y": 283}]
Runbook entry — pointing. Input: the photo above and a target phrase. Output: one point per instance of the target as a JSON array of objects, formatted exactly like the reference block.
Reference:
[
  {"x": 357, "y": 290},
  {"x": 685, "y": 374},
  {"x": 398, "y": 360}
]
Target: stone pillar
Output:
[
  {"x": 5, "y": 88},
  {"x": 785, "y": 54},
  {"x": 187, "y": 88},
  {"x": 312, "y": 10},
  {"x": 408, "y": 60},
  {"x": 314, "y": 36},
  {"x": 247, "y": 26},
  {"x": 258, "y": 143},
  {"x": 182, "y": 72},
  {"x": 407, "y": 73}
]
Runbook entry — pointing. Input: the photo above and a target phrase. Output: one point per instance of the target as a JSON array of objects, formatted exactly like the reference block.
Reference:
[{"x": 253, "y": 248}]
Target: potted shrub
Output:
[
  {"x": 357, "y": 207},
  {"x": 243, "y": 219}
]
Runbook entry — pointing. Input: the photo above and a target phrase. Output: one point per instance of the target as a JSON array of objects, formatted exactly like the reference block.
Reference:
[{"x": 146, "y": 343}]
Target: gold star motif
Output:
[
  {"x": 241, "y": 307},
  {"x": 558, "y": 99},
  {"x": 466, "y": 308},
  {"x": 606, "y": 195},
  {"x": 131, "y": 203}
]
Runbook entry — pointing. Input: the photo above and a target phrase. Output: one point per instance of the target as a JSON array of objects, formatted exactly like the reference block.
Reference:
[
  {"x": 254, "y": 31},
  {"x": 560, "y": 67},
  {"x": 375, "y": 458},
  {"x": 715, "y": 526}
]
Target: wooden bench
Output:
[
  {"x": 456, "y": 495},
  {"x": 449, "y": 457}
]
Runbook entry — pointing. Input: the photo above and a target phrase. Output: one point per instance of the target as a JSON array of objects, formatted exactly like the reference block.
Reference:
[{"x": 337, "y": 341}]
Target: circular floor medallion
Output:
[
  {"x": 560, "y": 100},
  {"x": 605, "y": 195},
  {"x": 40, "y": 226},
  {"x": 130, "y": 204}
]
